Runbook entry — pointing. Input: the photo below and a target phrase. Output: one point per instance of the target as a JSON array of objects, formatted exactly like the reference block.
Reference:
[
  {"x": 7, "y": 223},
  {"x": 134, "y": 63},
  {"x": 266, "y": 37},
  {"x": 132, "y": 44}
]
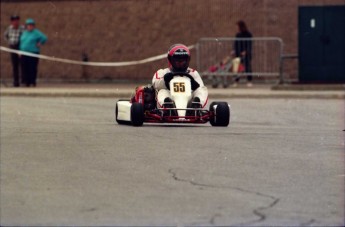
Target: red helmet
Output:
[{"x": 178, "y": 57}]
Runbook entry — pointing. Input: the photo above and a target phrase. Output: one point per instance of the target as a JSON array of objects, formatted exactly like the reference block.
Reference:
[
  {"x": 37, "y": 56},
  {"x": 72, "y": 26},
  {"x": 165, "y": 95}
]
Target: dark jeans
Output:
[
  {"x": 29, "y": 70},
  {"x": 15, "y": 65},
  {"x": 247, "y": 69}
]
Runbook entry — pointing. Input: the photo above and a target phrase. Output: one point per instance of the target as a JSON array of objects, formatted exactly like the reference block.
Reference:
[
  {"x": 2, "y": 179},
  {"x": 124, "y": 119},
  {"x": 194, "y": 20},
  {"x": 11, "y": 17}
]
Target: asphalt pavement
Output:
[
  {"x": 125, "y": 90},
  {"x": 66, "y": 162}
]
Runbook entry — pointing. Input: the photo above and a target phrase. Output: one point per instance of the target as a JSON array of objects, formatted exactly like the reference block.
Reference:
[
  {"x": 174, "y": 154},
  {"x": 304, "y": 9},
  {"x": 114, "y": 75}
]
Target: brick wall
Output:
[{"x": 125, "y": 30}]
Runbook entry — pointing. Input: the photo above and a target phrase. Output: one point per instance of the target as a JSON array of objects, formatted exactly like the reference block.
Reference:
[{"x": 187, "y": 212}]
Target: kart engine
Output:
[{"x": 145, "y": 95}]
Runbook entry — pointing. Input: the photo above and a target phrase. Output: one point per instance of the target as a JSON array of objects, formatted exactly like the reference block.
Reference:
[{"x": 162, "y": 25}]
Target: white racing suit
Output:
[{"x": 163, "y": 92}]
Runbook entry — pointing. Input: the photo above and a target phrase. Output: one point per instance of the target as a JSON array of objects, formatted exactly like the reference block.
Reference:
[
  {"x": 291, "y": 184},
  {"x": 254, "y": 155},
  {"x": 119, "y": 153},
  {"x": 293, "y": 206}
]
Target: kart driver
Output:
[{"x": 178, "y": 58}]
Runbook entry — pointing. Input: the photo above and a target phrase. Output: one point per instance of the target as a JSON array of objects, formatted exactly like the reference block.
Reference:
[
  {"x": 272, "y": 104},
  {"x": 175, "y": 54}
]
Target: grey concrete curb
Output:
[
  {"x": 217, "y": 95},
  {"x": 309, "y": 87},
  {"x": 126, "y": 91}
]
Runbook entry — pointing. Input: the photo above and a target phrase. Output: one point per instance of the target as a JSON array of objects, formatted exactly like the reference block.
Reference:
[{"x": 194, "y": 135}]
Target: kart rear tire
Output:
[
  {"x": 221, "y": 115},
  {"x": 137, "y": 114},
  {"x": 120, "y": 122}
]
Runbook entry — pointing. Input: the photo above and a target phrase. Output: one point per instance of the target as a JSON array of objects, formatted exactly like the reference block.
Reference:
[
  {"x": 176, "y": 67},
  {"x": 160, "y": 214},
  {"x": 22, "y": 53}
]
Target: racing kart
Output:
[{"x": 142, "y": 107}]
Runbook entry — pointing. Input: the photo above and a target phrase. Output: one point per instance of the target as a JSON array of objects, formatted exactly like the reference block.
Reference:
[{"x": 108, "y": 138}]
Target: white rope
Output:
[{"x": 114, "y": 64}]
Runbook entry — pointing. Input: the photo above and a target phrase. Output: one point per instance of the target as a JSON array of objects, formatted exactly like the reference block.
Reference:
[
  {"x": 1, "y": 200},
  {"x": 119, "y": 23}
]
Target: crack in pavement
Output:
[
  {"x": 257, "y": 211},
  {"x": 212, "y": 220},
  {"x": 310, "y": 222}
]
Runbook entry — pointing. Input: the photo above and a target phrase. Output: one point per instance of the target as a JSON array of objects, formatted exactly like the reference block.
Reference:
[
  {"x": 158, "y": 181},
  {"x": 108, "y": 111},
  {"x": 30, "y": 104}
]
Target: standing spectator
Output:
[
  {"x": 31, "y": 41},
  {"x": 12, "y": 36},
  {"x": 243, "y": 50}
]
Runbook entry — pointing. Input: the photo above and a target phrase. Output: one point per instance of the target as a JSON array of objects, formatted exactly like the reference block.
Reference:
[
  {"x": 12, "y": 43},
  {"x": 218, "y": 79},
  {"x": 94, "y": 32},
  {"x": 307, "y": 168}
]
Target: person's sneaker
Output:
[
  {"x": 234, "y": 84},
  {"x": 168, "y": 103},
  {"x": 249, "y": 84},
  {"x": 196, "y": 103}
]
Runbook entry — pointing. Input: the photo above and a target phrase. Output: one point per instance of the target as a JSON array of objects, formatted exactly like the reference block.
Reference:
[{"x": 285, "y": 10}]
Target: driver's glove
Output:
[
  {"x": 167, "y": 78},
  {"x": 195, "y": 85}
]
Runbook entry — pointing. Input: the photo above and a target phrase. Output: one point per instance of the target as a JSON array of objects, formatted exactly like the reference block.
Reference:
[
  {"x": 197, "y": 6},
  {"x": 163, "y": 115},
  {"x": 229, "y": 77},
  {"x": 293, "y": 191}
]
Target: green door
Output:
[{"x": 322, "y": 44}]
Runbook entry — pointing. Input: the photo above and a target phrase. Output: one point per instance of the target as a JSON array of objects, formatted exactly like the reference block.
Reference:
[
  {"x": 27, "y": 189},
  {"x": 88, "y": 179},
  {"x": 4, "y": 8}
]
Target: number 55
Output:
[{"x": 179, "y": 87}]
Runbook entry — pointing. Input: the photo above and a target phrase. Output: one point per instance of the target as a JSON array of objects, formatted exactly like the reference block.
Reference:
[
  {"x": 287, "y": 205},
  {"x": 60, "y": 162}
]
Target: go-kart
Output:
[{"x": 142, "y": 107}]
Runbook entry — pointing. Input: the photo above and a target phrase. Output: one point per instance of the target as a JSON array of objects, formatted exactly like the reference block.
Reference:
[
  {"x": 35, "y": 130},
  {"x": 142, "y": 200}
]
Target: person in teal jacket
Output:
[{"x": 30, "y": 41}]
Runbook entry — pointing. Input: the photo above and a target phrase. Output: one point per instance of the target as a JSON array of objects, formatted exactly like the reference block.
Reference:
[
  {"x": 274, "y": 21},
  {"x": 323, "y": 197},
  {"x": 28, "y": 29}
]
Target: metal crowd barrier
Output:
[{"x": 214, "y": 58}]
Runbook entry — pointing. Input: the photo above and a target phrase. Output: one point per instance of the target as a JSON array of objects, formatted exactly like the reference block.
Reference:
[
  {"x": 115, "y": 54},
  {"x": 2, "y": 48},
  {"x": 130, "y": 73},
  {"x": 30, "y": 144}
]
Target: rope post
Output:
[{"x": 84, "y": 69}]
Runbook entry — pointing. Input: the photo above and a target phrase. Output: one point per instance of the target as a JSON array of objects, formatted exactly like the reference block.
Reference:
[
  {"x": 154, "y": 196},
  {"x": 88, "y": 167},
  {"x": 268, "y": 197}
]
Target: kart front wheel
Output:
[
  {"x": 221, "y": 116},
  {"x": 137, "y": 114},
  {"x": 212, "y": 119}
]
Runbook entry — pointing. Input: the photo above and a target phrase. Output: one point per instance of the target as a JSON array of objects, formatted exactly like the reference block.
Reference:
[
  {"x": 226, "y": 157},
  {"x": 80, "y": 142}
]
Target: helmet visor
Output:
[{"x": 180, "y": 62}]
